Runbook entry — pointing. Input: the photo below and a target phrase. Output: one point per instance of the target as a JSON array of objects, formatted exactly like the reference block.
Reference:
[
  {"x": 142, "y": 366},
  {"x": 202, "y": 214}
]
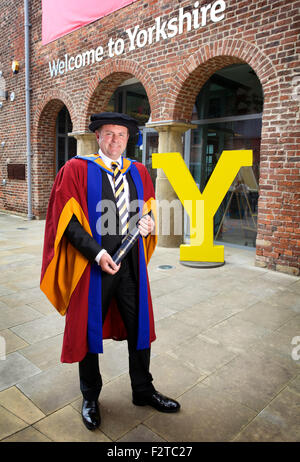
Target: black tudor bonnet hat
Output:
[{"x": 114, "y": 118}]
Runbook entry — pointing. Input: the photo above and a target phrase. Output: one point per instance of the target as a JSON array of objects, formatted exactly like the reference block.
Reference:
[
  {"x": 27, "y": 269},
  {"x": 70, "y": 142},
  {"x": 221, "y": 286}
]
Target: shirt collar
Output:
[{"x": 108, "y": 161}]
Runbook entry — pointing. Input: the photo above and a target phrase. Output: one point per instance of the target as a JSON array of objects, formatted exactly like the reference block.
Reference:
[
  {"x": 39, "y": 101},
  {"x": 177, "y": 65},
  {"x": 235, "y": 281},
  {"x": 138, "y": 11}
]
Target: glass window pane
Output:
[
  {"x": 68, "y": 123},
  {"x": 61, "y": 152},
  {"x": 111, "y": 105},
  {"x": 61, "y": 121},
  {"x": 234, "y": 90},
  {"x": 133, "y": 151},
  {"x": 235, "y": 221},
  {"x": 66, "y": 146},
  {"x": 119, "y": 101},
  {"x": 138, "y": 106}
]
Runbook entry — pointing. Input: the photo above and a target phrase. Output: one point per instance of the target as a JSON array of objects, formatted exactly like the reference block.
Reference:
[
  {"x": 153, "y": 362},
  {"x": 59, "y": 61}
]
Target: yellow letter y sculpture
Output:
[{"x": 201, "y": 208}]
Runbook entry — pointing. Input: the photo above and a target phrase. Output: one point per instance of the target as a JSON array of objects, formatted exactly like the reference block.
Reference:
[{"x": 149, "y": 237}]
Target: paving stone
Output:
[
  {"x": 156, "y": 275},
  {"x": 278, "y": 422},
  {"x": 16, "y": 299},
  {"x": 7, "y": 244},
  {"x": 10, "y": 317},
  {"x": 205, "y": 315},
  {"x": 13, "y": 400},
  {"x": 295, "y": 287},
  {"x": 52, "y": 389},
  {"x": 173, "y": 377},
  {"x": 251, "y": 379},
  {"x": 15, "y": 258},
  {"x": 169, "y": 333},
  {"x": 294, "y": 385},
  {"x": 28, "y": 435},
  {"x": 282, "y": 279},
  {"x": 9, "y": 423},
  {"x": 208, "y": 355},
  {"x": 6, "y": 274},
  {"x": 43, "y": 307},
  {"x": 277, "y": 347},
  {"x": 5, "y": 290},
  {"x": 46, "y": 353},
  {"x": 242, "y": 274},
  {"x": 23, "y": 283},
  {"x": 236, "y": 333},
  {"x": 141, "y": 434},
  {"x": 205, "y": 415},
  {"x": 166, "y": 286},
  {"x": 180, "y": 299},
  {"x": 288, "y": 299},
  {"x": 267, "y": 315},
  {"x": 12, "y": 341},
  {"x": 238, "y": 298},
  {"x": 233, "y": 256},
  {"x": 291, "y": 328},
  {"x": 218, "y": 283},
  {"x": 65, "y": 425},
  {"x": 41, "y": 328},
  {"x": 161, "y": 310},
  {"x": 262, "y": 287},
  {"x": 14, "y": 369}
]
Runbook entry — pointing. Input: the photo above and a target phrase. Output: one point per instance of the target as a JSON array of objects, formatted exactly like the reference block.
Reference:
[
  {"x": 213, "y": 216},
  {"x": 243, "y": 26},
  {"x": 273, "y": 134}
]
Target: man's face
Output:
[{"x": 112, "y": 140}]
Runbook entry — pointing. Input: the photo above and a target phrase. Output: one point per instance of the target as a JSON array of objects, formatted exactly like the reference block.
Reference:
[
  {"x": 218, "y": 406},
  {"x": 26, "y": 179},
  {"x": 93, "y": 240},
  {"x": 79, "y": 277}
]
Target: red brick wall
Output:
[
  {"x": 12, "y": 114},
  {"x": 264, "y": 34}
]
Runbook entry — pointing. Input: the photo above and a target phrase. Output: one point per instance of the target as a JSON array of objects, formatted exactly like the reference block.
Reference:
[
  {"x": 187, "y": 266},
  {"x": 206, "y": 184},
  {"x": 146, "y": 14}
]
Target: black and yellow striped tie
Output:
[{"x": 120, "y": 198}]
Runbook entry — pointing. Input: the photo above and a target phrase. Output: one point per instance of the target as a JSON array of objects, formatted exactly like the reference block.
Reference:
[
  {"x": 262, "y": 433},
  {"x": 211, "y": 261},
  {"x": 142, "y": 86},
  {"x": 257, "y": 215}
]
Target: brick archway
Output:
[
  {"x": 44, "y": 148},
  {"x": 191, "y": 76},
  {"x": 47, "y": 107},
  {"x": 186, "y": 85},
  {"x": 107, "y": 81}
]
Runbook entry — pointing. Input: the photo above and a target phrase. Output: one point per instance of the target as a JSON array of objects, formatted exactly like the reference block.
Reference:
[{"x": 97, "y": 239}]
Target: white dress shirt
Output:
[{"x": 108, "y": 162}]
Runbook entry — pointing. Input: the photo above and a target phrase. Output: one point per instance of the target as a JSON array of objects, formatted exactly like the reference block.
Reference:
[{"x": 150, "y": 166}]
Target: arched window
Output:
[
  {"x": 66, "y": 146},
  {"x": 228, "y": 115}
]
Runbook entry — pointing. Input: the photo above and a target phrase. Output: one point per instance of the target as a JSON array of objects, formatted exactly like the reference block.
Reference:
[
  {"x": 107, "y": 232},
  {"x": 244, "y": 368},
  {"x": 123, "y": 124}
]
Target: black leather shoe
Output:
[
  {"x": 157, "y": 400},
  {"x": 90, "y": 414}
]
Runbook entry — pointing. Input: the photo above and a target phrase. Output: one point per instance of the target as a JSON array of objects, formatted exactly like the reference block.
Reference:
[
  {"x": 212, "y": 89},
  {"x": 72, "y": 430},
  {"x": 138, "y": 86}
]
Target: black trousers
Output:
[{"x": 124, "y": 288}]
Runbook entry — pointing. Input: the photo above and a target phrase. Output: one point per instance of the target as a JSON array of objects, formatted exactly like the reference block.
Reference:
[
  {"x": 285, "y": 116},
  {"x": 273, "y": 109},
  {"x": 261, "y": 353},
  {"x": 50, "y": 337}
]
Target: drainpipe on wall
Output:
[{"x": 27, "y": 99}]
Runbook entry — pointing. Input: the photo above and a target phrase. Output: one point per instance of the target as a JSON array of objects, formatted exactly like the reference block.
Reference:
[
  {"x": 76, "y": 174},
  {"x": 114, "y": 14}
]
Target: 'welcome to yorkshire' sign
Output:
[{"x": 138, "y": 38}]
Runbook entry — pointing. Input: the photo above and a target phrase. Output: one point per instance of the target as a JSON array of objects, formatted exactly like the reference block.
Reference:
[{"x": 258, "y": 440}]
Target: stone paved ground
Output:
[{"x": 224, "y": 350}]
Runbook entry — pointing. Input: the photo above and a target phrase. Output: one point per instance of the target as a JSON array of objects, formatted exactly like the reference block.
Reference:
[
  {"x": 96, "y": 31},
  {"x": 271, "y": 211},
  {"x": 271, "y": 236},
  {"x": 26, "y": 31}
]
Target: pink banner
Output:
[{"x": 63, "y": 16}]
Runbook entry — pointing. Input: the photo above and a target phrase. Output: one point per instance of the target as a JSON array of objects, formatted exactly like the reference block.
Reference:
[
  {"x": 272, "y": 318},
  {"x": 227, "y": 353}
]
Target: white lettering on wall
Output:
[{"x": 185, "y": 21}]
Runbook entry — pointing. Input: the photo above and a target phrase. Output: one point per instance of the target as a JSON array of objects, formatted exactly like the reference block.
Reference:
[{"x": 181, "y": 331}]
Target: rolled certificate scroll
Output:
[{"x": 127, "y": 244}]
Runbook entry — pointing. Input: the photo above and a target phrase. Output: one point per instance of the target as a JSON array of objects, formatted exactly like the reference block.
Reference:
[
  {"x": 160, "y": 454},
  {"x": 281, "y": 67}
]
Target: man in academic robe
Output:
[{"x": 94, "y": 201}]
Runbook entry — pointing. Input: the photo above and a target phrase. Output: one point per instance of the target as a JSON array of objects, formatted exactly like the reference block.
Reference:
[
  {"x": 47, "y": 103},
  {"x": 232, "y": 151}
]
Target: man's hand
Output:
[
  {"x": 146, "y": 225},
  {"x": 108, "y": 265}
]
